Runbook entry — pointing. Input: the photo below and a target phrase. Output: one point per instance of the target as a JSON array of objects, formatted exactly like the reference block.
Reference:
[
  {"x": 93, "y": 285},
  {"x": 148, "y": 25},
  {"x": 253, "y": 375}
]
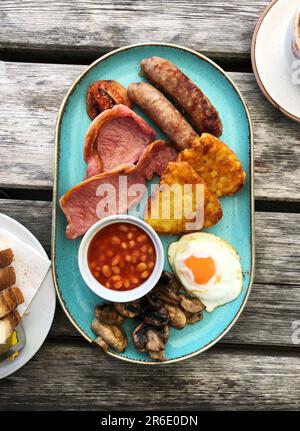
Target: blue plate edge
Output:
[{"x": 56, "y": 201}]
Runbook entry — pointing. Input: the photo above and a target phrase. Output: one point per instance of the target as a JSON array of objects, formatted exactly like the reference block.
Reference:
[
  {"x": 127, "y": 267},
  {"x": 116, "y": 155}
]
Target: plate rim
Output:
[
  {"x": 254, "y": 65},
  {"x": 55, "y": 198},
  {"x": 43, "y": 252}
]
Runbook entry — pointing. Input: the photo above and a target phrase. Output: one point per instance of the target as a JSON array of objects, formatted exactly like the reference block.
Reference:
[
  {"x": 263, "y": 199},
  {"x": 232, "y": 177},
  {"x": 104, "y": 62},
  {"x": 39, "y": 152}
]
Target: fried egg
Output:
[{"x": 208, "y": 267}]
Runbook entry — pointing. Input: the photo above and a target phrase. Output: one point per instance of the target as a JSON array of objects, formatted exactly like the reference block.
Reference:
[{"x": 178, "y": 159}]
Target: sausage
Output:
[
  {"x": 7, "y": 277},
  {"x": 6, "y": 257},
  {"x": 163, "y": 113},
  {"x": 185, "y": 94}
]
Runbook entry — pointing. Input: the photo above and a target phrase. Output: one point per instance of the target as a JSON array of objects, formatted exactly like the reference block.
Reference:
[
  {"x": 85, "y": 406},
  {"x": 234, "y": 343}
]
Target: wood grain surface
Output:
[
  {"x": 32, "y": 93},
  {"x": 222, "y": 28},
  {"x": 76, "y": 377}
]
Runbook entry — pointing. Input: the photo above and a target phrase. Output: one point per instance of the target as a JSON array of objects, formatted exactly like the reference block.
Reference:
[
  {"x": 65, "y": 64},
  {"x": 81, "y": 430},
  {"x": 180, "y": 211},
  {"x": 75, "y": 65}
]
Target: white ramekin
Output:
[{"x": 124, "y": 295}]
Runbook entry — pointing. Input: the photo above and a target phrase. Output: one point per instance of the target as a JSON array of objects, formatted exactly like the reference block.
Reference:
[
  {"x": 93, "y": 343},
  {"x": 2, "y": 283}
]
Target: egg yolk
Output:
[{"x": 203, "y": 268}]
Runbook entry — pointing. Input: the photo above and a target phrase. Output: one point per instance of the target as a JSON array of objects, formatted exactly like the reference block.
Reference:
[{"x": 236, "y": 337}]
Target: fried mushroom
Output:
[
  {"x": 193, "y": 318},
  {"x": 169, "y": 280},
  {"x": 128, "y": 309},
  {"x": 109, "y": 336},
  {"x": 157, "y": 355},
  {"x": 155, "y": 315},
  {"x": 164, "y": 333},
  {"x": 107, "y": 313},
  {"x": 147, "y": 339},
  {"x": 167, "y": 289},
  {"x": 191, "y": 305},
  {"x": 177, "y": 316}
]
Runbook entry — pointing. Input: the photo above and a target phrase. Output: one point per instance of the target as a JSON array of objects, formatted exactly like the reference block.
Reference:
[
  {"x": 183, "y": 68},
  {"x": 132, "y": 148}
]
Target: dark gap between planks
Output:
[
  {"x": 46, "y": 195},
  {"x": 87, "y": 56},
  {"x": 26, "y": 194}
]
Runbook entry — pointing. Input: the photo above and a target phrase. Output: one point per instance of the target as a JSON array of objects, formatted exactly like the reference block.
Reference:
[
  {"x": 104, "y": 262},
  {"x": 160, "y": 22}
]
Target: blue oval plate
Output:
[{"x": 236, "y": 225}]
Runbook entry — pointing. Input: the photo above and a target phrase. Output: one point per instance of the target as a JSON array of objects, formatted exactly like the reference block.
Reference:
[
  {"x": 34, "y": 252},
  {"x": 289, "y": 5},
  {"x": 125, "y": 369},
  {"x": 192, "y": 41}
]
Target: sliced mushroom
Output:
[
  {"x": 107, "y": 313},
  {"x": 139, "y": 337},
  {"x": 177, "y": 316},
  {"x": 111, "y": 335},
  {"x": 169, "y": 279},
  {"x": 155, "y": 315},
  {"x": 167, "y": 289},
  {"x": 154, "y": 342},
  {"x": 128, "y": 309},
  {"x": 164, "y": 333},
  {"x": 104, "y": 95},
  {"x": 164, "y": 297},
  {"x": 104, "y": 346},
  {"x": 148, "y": 339},
  {"x": 193, "y": 318},
  {"x": 191, "y": 305},
  {"x": 157, "y": 355}
]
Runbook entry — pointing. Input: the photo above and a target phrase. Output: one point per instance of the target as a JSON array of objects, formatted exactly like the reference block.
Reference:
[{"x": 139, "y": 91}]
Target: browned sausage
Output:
[
  {"x": 185, "y": 94},
  {"x": 163, "y": 113},
  {"x": 6, "y": 257}
]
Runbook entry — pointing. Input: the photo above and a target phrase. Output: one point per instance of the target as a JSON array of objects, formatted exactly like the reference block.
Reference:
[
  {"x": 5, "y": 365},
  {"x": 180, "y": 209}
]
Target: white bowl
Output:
[{"x": 125, "y": 295}]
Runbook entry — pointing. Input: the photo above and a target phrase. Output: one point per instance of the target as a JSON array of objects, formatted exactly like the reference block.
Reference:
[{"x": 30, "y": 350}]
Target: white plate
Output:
[
  {"x": 38, "y": 321},
  {"x": 269, "y": 61}
]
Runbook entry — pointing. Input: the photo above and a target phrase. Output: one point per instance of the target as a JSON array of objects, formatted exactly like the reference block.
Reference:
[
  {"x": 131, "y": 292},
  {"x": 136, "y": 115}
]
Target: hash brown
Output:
[
  {"x": 181, "y": 173},
  {"x": 216, "y": 163}
]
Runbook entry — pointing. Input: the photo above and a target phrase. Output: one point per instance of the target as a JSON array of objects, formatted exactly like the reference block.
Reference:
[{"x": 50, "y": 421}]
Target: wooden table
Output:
[{"x": 43, "y": 47}]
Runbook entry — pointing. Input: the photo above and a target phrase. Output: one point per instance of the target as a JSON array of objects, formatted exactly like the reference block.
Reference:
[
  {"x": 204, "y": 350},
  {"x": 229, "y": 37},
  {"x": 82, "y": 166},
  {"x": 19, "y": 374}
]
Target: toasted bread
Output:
[
  {"x": 7, "y": 277},
  {"x": 6, "y": 257},
  {"x": 9, "y": 300}
]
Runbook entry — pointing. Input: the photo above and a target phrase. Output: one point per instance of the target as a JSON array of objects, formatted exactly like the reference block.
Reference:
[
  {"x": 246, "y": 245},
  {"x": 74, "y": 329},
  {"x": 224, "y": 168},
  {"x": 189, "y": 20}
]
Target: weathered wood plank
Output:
[
  {"x": 270, "y": 318},
  {"x": 277, "y": 239},
  {"x": 272, "y": 310},
  {"x": 219, "y": 28},
  {"x": 66, "y": 377},
  {"x": 34, "y": 215},
  {"x": 276, "y": 145},
  {"x": 31, "y": 95}
]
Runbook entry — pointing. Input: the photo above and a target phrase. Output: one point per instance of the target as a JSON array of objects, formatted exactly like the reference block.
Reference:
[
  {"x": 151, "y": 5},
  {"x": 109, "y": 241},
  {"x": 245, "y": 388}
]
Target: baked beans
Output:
[{"x": 121, "y": 256}]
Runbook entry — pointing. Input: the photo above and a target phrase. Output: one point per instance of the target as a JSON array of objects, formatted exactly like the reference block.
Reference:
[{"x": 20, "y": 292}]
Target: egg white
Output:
[{"x": 225, "y": 285}]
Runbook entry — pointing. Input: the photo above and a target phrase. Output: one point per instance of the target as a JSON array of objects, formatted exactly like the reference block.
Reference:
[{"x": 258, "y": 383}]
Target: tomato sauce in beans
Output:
[{"x": 121, "y": 256}]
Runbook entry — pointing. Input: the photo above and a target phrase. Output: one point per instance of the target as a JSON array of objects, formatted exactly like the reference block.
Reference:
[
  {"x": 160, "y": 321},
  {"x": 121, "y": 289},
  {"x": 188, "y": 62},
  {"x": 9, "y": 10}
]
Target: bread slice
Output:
[
  {"x": 6, "y": 257},
  {"x": 9, "y": 300},
  {"x": 7, "y": 277},
  {"x": 8, "y": 325}
]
